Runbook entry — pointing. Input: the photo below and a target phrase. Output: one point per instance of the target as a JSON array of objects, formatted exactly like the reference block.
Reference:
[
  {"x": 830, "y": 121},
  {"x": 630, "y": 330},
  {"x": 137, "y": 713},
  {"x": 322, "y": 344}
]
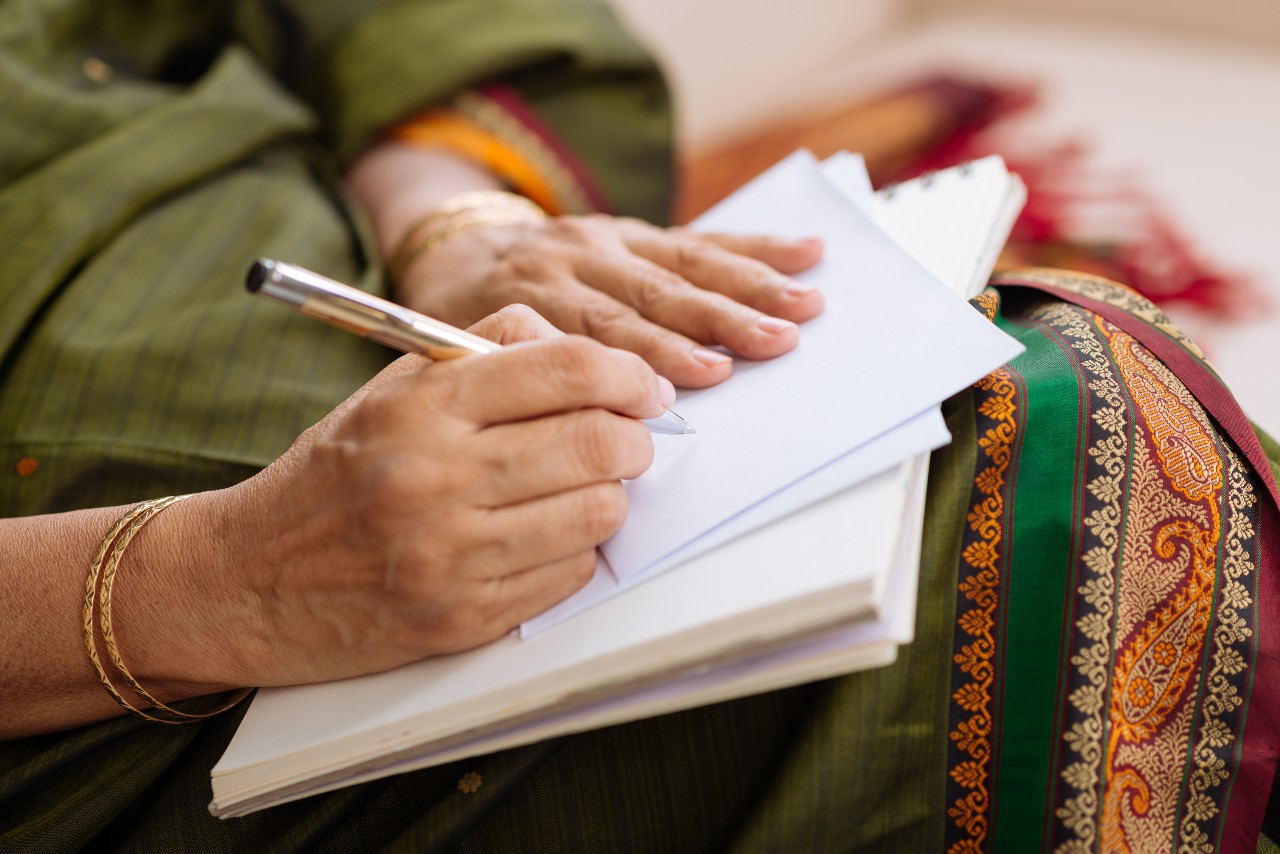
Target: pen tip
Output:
[{"x": 688, "y": 428}]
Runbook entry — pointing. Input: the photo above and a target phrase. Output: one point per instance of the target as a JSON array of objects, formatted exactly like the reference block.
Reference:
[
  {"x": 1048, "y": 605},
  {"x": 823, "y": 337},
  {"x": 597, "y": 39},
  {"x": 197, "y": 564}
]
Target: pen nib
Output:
[{"x": 670, "y": 424}]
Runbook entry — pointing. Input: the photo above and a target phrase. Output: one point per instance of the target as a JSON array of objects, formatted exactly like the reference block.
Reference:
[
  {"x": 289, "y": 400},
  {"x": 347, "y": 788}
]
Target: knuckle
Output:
[
  {"x": 692, "y": 254},
  {"x": 443, "y": 389},
  {"x": 761, "y": 276},
  {"x": 392, "y": 486},
  {"x": 604, "y": 510},
  {"x": 575, "y": 229},
  {"x": 493, "y": 555},
  {"x": 598, "y": 444},
  {"x": 534, "y": 266},
  {"x": 599, "y": 318},
  {"x": 532, "y": 255},
  {"x": 654, "y": 290},
  {"x": 575, "y": 361},
  {"x": 577, "y": 351}
]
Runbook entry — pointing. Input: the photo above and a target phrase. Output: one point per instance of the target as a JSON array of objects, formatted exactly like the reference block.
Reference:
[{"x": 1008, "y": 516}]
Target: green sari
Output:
[{"x": 1093, "y": 665}]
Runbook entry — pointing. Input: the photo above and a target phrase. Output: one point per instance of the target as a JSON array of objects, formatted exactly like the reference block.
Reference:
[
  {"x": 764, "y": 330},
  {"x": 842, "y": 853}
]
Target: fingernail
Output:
[
  {"x": 794, "y": 288},
  {"x": 709, "y": 357},
  {"x": 773, "y": 325},
  {"x": 666, "y": 392},
  {"x": 807, "y": 241}
]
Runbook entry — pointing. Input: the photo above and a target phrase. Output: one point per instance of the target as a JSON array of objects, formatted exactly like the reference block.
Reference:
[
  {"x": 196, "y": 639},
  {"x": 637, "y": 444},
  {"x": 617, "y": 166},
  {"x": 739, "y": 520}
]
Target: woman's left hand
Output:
[{"x": 665, "y": 294}]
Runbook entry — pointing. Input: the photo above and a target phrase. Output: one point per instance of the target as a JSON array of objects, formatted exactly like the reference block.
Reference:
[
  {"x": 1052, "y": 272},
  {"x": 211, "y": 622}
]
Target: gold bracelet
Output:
[
  {"x": 98, "y": 590},
  {"x": 463, "y": 212}
]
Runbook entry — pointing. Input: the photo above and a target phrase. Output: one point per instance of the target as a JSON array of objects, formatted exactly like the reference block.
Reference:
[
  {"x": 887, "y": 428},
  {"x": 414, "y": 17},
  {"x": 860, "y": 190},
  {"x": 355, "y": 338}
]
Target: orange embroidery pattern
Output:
[
  {"x": 987, "y": 302},
  {"x": 980, "y": 586},
  {"x": 1155, "y": 665},
  {"x": 27, "y": 466}
]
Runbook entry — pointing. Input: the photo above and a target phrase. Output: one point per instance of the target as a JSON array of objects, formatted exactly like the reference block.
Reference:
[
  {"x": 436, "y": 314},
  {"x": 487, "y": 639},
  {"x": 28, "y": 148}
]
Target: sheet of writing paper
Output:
[{"x": 891, "y": 343}]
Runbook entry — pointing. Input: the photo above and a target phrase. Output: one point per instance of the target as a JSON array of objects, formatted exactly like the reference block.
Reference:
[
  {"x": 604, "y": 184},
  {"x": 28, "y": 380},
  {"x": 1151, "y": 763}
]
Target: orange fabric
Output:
[{"x": 454, "y": 131}]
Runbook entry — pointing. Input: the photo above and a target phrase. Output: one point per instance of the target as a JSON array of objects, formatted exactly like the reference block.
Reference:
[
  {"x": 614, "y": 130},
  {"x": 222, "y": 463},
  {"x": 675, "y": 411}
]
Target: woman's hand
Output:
[
  {"x": 661, "y": 293},
  {"x": 435, "y": 510}
]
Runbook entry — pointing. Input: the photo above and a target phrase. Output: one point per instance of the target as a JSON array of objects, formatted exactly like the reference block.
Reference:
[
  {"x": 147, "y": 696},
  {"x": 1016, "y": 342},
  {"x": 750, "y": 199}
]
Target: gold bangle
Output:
[
  {"x": 98, "y": 591},
  {"x": 455, "y": 215}
]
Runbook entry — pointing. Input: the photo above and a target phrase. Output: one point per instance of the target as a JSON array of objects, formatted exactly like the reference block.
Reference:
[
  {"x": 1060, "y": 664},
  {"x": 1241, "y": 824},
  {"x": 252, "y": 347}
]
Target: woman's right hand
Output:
[{"x": 435, "y": 510}]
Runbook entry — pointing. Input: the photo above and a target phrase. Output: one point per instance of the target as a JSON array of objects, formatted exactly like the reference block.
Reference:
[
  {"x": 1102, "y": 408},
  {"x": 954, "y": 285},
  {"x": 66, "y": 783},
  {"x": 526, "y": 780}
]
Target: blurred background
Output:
[{"x": 1147, "y": 130}]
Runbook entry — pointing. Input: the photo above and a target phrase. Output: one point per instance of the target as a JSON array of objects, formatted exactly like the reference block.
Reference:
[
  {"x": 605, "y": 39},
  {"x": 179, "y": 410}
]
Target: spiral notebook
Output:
[{"x": 677, "y": 641}]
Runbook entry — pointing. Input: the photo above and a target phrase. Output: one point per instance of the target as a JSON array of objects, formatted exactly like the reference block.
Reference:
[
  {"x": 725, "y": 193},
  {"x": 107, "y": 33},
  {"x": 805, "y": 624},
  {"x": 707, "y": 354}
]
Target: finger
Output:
[
  {"x": 783, "y": 254},
  {"x": 503, "y": 603},
  {"x": 546, "y": 456},
  {"x": 666, "y": 299},
  {"x": 533, "y": 379},
  {"x": 535, "y": 590},
  {"x": 682, "y": 360},
  {"x": 547, "y": 529},
  {"x": 742, "y": 278},
  {"x": 514, "y": 323}
]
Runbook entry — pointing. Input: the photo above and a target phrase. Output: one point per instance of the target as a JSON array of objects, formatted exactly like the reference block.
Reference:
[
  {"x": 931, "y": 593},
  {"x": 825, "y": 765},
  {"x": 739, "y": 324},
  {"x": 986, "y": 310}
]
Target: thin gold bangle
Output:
[
  {"x": 455, "y": 215},
  {"x": 105, "y": 565},
  {"x": 91, "y": 597}
]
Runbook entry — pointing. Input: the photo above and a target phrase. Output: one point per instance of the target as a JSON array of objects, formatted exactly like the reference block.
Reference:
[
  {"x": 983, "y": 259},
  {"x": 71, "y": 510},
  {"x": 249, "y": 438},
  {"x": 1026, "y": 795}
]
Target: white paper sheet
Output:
[{"x": 778, "y": 421}]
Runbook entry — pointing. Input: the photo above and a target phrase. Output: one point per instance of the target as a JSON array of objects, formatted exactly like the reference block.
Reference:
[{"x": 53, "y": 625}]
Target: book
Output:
[{"x": 723, "y": 624}]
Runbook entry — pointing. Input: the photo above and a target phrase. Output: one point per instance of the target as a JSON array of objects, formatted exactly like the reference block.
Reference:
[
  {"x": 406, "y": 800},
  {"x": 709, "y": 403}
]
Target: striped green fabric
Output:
[{"x": 133, "y": 365}]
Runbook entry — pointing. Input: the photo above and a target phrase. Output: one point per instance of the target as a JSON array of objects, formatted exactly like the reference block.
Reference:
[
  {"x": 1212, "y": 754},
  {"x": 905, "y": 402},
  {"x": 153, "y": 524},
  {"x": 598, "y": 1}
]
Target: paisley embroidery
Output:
[
  {"x": 1161, "y": 604},
  {"x": 1158, "y": 660}
]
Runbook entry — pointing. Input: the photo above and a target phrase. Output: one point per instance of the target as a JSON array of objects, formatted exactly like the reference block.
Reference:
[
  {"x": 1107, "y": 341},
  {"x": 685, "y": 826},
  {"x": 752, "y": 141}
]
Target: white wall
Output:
[
  {"x": 734, "y": 62},
  {"x": 1256, "y": 21}
]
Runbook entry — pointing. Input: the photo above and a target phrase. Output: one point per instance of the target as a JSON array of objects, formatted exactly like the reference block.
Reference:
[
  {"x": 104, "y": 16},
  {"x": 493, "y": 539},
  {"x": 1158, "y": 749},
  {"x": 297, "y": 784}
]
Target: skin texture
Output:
[
  {"x": 660, "y": 293},
  {"x": 439, "y": 506}
]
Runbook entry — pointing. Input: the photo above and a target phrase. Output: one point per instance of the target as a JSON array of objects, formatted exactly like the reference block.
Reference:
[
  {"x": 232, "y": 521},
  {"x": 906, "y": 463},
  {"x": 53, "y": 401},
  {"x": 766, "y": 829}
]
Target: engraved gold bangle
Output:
[
  {"x": 463, "y": 212},
  {"x": 98, "y": 593}
]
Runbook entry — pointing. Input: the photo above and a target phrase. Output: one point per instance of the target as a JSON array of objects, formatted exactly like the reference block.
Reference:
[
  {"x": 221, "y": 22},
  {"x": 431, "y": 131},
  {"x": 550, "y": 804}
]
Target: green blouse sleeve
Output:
[{"x": 365, "y": 66}]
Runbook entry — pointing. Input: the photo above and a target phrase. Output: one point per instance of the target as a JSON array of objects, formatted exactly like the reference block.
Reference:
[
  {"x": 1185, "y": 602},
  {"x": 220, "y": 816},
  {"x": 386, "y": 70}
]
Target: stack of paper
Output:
[
  {"x": 763, "y": 596},
  {"x": 767, "y": 444}
]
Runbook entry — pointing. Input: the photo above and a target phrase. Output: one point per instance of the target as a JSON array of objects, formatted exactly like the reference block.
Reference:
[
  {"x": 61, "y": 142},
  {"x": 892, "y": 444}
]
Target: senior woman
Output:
[{"x": 1091, "y": 669}]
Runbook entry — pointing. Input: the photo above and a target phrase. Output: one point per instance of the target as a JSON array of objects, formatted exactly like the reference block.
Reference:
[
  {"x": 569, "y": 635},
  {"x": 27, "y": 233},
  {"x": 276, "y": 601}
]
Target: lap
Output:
[{"x": 1086, "y": 656}]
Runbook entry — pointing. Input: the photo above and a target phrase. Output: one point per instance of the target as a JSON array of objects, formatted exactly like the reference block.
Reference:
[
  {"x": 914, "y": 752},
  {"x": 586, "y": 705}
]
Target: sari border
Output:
[
  {"x": 1245, "y": 809},
  {"x": 508, "y": 101}
]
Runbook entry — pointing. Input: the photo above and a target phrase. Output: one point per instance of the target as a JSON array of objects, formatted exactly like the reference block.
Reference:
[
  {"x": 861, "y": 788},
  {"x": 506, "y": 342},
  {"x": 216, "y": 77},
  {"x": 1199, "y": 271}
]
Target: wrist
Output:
[
  {"x": 463, "y": 212},
  {"x": 397, "y": 184},
  {"x": 179, "y": 614}
]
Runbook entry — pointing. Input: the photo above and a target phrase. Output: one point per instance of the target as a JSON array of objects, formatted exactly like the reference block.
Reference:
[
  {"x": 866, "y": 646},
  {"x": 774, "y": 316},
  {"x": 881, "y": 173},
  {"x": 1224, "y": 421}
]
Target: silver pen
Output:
[{"x": 385, "y": 322}]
